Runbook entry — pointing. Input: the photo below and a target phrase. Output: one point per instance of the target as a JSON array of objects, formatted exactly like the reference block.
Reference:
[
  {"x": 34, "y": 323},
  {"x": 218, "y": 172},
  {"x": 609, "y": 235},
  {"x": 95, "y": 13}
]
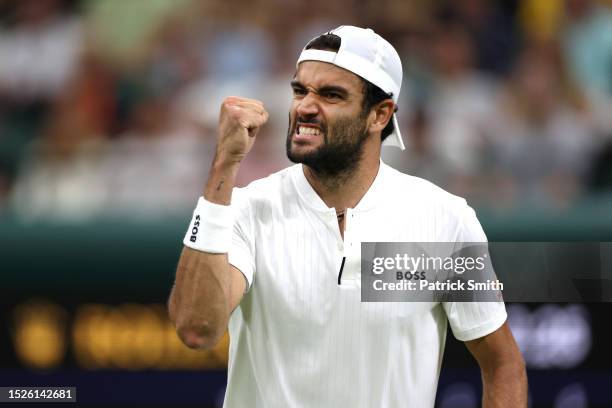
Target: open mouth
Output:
[
  {"x": 308, "y": 130},
  {"x": 307, "y": 133}
]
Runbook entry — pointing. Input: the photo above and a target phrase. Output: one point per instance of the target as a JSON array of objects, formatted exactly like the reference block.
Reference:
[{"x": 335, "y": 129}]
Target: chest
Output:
[{"x": 299, "y": 263}]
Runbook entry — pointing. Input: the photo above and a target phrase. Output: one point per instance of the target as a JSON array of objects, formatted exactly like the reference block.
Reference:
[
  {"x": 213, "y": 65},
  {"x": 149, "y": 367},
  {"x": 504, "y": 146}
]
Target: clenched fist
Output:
[{"x": 239, "y": 122}]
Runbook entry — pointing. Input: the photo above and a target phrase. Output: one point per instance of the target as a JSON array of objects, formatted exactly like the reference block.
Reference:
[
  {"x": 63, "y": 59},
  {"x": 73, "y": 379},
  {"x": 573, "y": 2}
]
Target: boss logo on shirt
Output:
[{"x": 194, "y": 230}]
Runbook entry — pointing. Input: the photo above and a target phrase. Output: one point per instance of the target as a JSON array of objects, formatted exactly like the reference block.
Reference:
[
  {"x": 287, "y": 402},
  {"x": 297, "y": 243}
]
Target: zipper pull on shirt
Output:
[{"x": 341, "y": 269}]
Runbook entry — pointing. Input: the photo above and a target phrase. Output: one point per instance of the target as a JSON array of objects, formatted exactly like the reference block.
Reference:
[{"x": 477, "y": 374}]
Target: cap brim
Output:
[{"x": 395, "y": 138}]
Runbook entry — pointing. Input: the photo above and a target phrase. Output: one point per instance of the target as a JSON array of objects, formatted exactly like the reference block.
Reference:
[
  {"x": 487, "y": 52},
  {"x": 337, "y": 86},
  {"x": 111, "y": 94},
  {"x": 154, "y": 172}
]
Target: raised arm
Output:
[
  {"x": 504, "y": 378},
  {"x": 207, "y": 288}
]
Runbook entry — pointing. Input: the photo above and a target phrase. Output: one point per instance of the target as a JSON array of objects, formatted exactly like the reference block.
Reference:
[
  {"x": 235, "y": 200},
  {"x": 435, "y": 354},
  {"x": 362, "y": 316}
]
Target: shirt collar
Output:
[{"x": 370, "y": 199}]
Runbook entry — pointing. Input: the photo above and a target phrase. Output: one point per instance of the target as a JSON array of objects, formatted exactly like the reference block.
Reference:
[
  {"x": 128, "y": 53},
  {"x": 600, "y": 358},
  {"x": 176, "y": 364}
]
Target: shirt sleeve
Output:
[
  {"x": 472, "y": 320},
  {"x": 242, "y": 249}
]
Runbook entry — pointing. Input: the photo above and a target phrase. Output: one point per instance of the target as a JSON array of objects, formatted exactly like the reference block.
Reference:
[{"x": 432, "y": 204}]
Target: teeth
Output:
[{"x": 305, "y": 130}]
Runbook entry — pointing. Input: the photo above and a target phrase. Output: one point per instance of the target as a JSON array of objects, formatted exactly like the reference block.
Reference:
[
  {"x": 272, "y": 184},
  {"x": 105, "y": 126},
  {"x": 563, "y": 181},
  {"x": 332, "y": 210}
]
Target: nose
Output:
[{"x": 308, "y": 106}]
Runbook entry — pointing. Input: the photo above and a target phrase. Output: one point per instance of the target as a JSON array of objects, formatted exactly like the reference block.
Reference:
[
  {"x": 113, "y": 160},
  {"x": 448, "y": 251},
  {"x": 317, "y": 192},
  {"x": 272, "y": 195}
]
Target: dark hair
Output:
[{"x": 372, "y": 95}]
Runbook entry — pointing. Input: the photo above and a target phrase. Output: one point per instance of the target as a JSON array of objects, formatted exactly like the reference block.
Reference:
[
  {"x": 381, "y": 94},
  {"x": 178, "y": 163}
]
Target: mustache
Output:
[{"x": 302, "y": 121}]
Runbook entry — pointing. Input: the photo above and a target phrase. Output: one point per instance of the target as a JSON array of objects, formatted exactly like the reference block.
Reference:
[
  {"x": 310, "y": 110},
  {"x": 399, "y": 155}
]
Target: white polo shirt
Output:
[{"x": 298, "y": 339}]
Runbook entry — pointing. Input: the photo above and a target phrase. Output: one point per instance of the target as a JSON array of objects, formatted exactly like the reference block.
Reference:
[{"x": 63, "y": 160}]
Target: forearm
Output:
[
  {"x": 505, "y": 386},
  {"x": 221, "y": 180},
  {"x": 199, "y": 304}
]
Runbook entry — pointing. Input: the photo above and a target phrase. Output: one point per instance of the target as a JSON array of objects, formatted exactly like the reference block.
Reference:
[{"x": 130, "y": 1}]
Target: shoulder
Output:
[
  {"x": 272, "y": 188},
  {"x": 447, "y": 213},
  {"x": 417, "y": 190}
]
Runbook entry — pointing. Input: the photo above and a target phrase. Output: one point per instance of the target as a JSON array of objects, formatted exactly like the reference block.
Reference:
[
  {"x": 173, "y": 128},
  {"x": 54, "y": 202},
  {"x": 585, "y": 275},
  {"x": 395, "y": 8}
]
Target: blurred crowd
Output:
[{"x": 110, "y": 107}]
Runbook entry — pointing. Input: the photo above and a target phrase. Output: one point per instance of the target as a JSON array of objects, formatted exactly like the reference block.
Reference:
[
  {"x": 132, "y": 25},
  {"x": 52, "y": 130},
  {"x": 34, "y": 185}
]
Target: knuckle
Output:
[
  {"x": 230, "y": 101},
  {"x": 235, "y": 112},
  {"x": 225, "y": 108}
]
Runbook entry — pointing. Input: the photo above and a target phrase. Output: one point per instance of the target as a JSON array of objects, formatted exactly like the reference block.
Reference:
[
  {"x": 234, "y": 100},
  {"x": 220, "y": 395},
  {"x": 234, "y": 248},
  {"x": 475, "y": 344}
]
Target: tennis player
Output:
[{"x": 278, "y": 262}]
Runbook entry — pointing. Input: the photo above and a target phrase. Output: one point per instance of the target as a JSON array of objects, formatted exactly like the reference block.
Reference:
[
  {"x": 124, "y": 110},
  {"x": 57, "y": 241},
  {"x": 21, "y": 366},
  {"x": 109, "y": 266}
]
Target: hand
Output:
[{"x": 239, "y": 122}]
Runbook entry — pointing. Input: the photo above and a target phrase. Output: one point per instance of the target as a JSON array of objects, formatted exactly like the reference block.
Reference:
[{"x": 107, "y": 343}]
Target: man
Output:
[{"x": 278, "y": 261}]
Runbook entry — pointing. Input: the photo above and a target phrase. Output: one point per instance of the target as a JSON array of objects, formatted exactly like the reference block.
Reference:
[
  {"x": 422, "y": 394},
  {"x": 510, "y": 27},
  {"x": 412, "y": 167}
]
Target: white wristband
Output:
[{"x": 210, "y": 229}]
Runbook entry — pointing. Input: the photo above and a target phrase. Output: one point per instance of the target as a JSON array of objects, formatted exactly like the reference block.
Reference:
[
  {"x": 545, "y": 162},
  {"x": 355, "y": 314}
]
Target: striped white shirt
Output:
[{"x": 298, "y": 339}]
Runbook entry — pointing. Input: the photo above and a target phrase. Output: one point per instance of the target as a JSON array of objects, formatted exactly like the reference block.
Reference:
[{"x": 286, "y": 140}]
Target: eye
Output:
[
  {"x": 299, "y": 91},
  {"x": 331, "y": 95}
]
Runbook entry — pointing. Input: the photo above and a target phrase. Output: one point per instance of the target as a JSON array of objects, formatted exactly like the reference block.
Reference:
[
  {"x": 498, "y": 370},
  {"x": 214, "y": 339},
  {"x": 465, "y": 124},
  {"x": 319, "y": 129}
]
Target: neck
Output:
[{"x": 345, "y": 189}]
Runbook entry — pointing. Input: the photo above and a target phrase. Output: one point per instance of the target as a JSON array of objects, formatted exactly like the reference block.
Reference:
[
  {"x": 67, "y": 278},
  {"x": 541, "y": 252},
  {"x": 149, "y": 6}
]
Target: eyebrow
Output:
[{"x": 326, "y": 88}]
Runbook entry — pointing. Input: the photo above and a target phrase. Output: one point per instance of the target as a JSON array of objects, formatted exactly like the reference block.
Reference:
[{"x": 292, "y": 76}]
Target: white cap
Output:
[{"x": 367, "y": 54}]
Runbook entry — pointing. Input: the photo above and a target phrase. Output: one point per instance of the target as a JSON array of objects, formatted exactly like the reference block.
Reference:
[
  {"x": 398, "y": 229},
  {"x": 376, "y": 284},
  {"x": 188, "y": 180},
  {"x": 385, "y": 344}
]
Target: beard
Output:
[{"x": 340, "y": 151}]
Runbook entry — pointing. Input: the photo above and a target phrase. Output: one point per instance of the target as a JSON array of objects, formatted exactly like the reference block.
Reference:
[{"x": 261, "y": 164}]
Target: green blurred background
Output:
[{"x": 108, "y": 113}]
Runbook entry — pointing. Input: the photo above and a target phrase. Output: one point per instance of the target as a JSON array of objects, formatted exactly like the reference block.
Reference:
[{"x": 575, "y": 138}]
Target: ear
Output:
[{"x": 381, "y": 115}]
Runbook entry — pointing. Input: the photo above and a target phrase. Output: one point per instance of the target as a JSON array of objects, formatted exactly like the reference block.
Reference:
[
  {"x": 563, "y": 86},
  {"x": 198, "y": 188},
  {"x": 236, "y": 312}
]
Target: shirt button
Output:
[{"x": 340, "y": 246}]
